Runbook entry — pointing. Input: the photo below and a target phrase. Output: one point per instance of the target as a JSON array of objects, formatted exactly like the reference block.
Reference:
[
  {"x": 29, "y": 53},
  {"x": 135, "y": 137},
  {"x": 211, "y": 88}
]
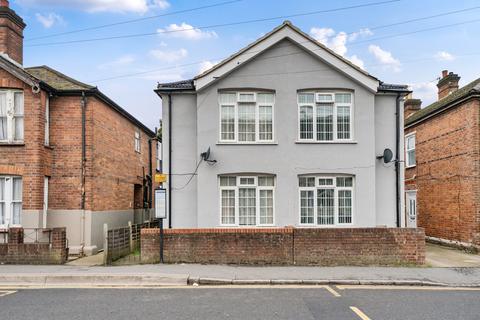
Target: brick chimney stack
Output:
[
  {"x": 410, "y": 106},
  {"x": 11, "y": 32},
  {"x": 447, "y": 84}
]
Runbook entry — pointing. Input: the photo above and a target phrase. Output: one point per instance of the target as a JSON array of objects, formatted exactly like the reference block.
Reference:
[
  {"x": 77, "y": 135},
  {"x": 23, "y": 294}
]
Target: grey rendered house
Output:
[{"x": 295, "y": 132}]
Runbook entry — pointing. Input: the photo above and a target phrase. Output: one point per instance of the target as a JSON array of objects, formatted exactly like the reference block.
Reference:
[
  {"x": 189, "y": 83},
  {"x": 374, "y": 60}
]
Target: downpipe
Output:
[{"x": 83, "y": 172}]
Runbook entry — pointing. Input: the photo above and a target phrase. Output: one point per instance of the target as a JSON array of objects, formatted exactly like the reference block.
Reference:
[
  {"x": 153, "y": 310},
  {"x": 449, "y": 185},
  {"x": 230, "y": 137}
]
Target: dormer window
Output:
[{"x": 11, "y": 116}]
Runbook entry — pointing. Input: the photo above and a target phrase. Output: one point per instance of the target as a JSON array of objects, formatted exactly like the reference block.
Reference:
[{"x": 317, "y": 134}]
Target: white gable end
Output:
[{"x": 286, "y": 31}]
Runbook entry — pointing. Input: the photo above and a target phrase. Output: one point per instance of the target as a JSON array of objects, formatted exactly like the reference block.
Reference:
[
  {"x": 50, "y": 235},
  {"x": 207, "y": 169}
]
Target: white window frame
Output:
[
  {"x": 407, "y": 137},
  {"x": 409, "y": 196},
  {"x": 159, "y": 156},
  {"x": 9, "y": 202},
  {"x": 138, "y": 141},
  {"x": 237, "y": 188},
  {"x": 47, "y": 122},
  {"x": 11, "y": 126},
  {"x": 235, "y": 105},
  {"x": 335, "y": 105},
  {"x": 315, "y": 189}
]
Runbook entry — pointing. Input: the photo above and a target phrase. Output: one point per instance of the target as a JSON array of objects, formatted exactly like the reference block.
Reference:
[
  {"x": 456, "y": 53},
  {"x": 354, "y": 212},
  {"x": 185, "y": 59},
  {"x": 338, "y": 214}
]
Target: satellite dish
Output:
[
  {"x": 387, "y": 155},
  {"x": 206, "y": 155}
]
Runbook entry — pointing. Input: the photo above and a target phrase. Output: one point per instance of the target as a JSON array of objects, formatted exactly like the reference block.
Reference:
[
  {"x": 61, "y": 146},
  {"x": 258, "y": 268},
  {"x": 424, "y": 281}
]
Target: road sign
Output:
[
  {"x": 160, "y": 178},
  {"x": 161, "y": 203}
]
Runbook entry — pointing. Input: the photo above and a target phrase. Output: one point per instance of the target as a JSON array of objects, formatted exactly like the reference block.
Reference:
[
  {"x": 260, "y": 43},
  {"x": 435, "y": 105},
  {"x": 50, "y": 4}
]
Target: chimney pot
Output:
[
  {"x": 447, "y": 84},
  {"x": 4, "y": 3}
]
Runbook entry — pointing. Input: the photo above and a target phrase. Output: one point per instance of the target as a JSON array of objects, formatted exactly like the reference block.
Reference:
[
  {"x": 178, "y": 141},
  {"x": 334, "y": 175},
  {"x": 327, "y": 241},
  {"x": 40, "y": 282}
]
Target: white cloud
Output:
[
  {"x": 169, "y": 56},
  {"x": 162, "y": 4},
  {"x": 385, "y": 58},
  {"x": 338, "y": 41},
  {"x": 427, "y": 91},
  {"x": 206, "y": 65},
  {"x": 49, "y": 20},
  {"x": 119, "y": 62},
  {"x": 186, "y": 31},
  {"x": 136, "y": 6},
  {"x": 357, "y": 61},
  {"x": 444, "y": 56}
]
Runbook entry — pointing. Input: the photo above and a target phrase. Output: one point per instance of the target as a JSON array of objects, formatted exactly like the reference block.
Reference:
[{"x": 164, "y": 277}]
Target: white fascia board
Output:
[{"x": 287, "y": 32}]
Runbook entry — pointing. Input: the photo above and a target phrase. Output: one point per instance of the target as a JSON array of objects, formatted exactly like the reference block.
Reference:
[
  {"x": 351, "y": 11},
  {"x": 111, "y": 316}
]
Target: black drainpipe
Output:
[
  {"x": 150, "y": 172},
  {"x": 397, "y": 158},
  {"x": 169, "y": 160}
]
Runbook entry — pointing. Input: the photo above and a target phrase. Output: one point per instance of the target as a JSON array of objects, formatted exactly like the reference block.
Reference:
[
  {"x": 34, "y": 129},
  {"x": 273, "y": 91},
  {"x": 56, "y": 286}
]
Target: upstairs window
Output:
[
  {"x": 411, "y": 160},
  {"x": 47, "y": 122},
  {"x": 11, "y": 116},
  {"x": 325, "y": 117},
  {"x": 159, "y": 156},
  {"x": 246, "y": 201},
  {"x": 326, "y": 201},
  {"x": 246, "y": 117},
  {"x": 137, "y": 142}
]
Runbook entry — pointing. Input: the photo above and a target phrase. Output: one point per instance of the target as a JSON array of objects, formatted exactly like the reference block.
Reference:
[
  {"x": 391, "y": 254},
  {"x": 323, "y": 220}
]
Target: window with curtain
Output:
[
  {"x": 410, "y": 142},
  {"x": 246, "y": 117},
  {"x": 137, "y": 142},
  {"x": 325, "y": 117},
  {"x": 10, "y": 201},
  {"x": 11, "y": 116},
  {"x": 246, "y": 201},
  {"x": 326, "y": 201}
]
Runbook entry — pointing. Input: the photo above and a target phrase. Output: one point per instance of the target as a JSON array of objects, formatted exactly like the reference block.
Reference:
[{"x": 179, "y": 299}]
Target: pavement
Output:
[
  {"x": 183, "y": 274},
  {"x": 445, "y": 267},
  {"x": 441, "y": 256},
  {"x": 256, "y": 302}
]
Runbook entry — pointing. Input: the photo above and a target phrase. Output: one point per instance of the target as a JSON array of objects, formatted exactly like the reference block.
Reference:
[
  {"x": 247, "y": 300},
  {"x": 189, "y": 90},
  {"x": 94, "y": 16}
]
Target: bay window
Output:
[
  {"x": 325, "y": 117},
  {"x": 10, "y": 201},
  {"x": 246, "y": 117},
  {"x": 246, "y": 201},
  {"x": 11, "y": 116},
  {"x": 326, "y": 201}
]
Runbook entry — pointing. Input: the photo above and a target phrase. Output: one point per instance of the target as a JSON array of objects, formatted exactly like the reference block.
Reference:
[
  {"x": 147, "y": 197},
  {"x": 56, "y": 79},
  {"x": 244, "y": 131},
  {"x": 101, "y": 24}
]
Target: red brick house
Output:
[
  {"x": 69, "y": 155},
  {"x": 442, "y": 176}
]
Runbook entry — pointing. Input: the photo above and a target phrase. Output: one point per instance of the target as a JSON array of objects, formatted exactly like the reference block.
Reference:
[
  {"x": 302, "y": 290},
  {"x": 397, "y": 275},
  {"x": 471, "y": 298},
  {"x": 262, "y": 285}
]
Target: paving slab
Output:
[{"x": 442, "y": 256}]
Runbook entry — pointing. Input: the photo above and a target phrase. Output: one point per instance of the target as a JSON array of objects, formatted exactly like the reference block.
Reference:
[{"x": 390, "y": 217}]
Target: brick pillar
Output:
[
  {"x": 150, "y": 245},
  {"x": 15, "y": 236},
  {"x": 59, "y": 238}
]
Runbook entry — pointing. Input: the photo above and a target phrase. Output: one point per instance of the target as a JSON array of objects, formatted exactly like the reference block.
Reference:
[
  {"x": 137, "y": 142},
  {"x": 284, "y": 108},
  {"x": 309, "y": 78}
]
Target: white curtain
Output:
[
  {"x": 3, "y": 116},
  {"x": 18, "y": 108},
  {"x": 2, "y": 199},
  {"x": 17, "y": 197}
]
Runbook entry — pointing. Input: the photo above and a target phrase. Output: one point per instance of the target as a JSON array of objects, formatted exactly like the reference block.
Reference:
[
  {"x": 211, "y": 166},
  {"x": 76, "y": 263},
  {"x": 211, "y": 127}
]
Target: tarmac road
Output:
[{"x": 242, "y": 302}]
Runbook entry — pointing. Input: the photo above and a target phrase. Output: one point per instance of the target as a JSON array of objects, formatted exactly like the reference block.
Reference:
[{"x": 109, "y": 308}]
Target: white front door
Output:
[
  {"x": 411, "y": 206},
  {"x": 10, "y": 201}
]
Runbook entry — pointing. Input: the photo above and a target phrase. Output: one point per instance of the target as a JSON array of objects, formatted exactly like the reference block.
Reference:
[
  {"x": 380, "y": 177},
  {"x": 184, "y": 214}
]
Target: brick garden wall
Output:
[
  {"x": 287, "y": 246},
  {"x": 447, "y": 174},
  {"x": 18, "y": 252}
]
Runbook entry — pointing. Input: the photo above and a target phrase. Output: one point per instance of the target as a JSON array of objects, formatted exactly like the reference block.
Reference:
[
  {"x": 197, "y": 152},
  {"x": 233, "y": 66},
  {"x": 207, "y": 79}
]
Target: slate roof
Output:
[
  {"x": 63, "y": 84},
  {"x": 56, "y": 79},
  {"x": 471, "y": 88},
  {"x": 178, "y": 85}
]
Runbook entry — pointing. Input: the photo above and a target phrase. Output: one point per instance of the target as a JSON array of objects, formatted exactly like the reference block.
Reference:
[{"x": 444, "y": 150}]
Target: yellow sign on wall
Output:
[{"x": 160, "y": 178}]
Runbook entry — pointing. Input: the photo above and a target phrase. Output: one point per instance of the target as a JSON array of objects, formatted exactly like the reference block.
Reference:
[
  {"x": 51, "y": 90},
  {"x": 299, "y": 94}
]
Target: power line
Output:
[
  {"x": 295, "y": 53},
  {"x": 135, "y": 20},
  {"x": 211, "y": 26}
]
